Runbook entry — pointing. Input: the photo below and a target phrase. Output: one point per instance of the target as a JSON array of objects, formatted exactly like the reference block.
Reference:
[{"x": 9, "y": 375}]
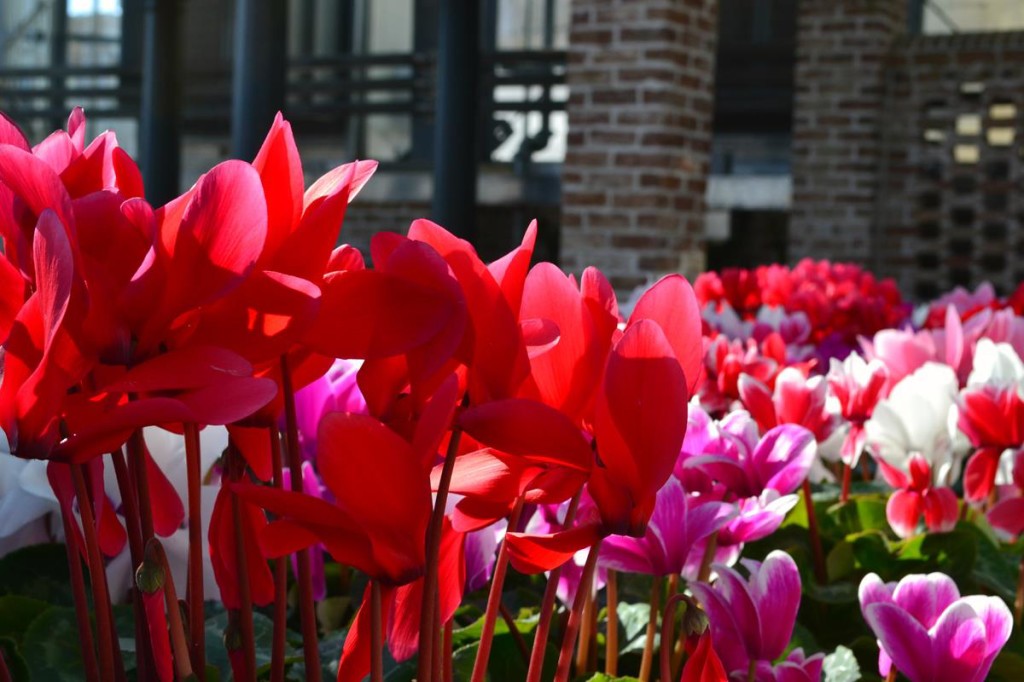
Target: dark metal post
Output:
[
  {"x": 58, "y": 60},
  {"x": 915, "y": 16},
  {"x": 133, "y": 15},
  {"x": 258, "y": 83},
  {"x": 161, "y": 115},
  {"x": 455, "y": 158}
]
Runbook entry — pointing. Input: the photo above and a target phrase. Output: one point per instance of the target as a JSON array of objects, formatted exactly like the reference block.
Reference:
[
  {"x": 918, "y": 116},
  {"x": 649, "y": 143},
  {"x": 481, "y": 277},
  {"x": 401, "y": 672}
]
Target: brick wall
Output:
[
  {"x": 951, "y": 210},
  {"x": 363, "y": 219},
  {"x": 640, "y": 77},
  {"x": 841, "y": 47}
]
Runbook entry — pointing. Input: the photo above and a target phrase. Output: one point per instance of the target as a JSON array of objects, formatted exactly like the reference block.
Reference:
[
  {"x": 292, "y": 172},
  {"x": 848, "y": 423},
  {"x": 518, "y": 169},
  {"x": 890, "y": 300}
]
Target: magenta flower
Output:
[
  {"x": 311, "y": 486},
  {"x": 752, "y": 619},
  {"x": 731, "y": 454},
  {"x": 797, "y": 667},
  {"x": 678, "y": 523},
  {"x": 335, "y": 391},
  {"x": 931, "y": 633},
  {"x": 858, "y": 386}
]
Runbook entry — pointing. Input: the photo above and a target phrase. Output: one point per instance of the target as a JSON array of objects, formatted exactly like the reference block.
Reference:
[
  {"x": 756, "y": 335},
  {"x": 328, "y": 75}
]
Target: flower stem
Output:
[
  {"x": 891, "y": 677},
  {"x": 427, "y": 615},
  {"x": 583, "y": 650},
  {"x": 647, "y": 661},
  {"x": 377, "y": 634},
  {"x": 709, "y": 556},
  {"x": 547, "y": 606},
  {"x": 91, "y": 665},
  {"x": 1018, "y": 602},
  {"x": 194, "y": 588},
  {"x": 513, "y": 630},
  {"x": 137, "y": 467},
  {"x": 752, "y": 670},
  {"x": 98, "y": 580},
  {"x": 182, "y": 663},
  {"x": 576, "y": 614},
  {"x": 143, "y": 649},
  {"x": 5, "y": 674},
  {"x": 235, "y": 468},
  {"x": 483, "y": 654},
  {"x": 310, "y": 642},
  {"x": 844, "y": 495},
  {"x": 667, "y": 632},
  {"x": 446, "y": 659},
  {"x": 280, "y": 574},
  {"x": 820, "y": 574},
  {"x": 611, "y": 650}
]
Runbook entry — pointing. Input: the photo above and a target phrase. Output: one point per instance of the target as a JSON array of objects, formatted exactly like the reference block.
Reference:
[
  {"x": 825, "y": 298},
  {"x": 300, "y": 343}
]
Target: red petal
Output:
[
  {"x": 306, "y": 251},
  {"x": 35, "y": 183},
  {"x": 112, "y": 535},
  {"x": 12, "y": 295},
  {"x": 641, "y": 411},
  {"x": 529, "y": 429},
  {"x": 672, "y": 304},
  {"x": 222, "y": 231},
  {"x": 280, "y": 170},
  {"x": 567, "y": 374},
  {"x": 536, "y": 553},
  {"x": 369, "y": 468},
  {"x": 903, "y": 511},
  {"x": 980, "y": 474},
  {"x": 111, "y": 430},
  {"x": 404, "y": 622},
  {"x": 499, "y": 365},
  {"x": 372, "y": 314},
  {"x": 435, "y": 421},
  {"x": 354, "y": 665},
  {"x": 156, "y": 623},
  {"x": 11, "y": 134},
  {"x": 229, "y": 400},
  {"x": 345, "y": 257},
  {"x": 254, "y": 444},
  {"x": 703, "y": 665},
  {"x": 510, "y": 270},
  {"x": 184, "y": 368},
  {"x": 168, "y": 511},
  {"x": 223, "y": 552}
]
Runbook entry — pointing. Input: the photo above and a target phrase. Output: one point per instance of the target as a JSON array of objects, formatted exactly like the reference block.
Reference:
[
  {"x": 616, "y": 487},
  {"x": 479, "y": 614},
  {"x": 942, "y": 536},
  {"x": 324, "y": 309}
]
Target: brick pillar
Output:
[
  {"x": 838, "y": 126},
  {"x": 640, "y": 102}
]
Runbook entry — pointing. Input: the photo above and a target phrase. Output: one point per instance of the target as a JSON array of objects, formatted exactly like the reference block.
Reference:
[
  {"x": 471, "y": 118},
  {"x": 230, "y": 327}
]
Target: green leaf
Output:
[
  {"x": 841, "y": 561},
  {"x": 16, "y": 664},
  {"x": 601, "y": 677},
  {"x": 1008, "y": 667},
  {"x": 633, "y": 620},
  {"x": 51, "y": 646},
  {"x": 840, "y": 666},
  {"x": 216, "y": 652},
  {"x": 861, "y": 513},
  {"x": 38, "y": 571},
  {"x": 16, "y": 613}
]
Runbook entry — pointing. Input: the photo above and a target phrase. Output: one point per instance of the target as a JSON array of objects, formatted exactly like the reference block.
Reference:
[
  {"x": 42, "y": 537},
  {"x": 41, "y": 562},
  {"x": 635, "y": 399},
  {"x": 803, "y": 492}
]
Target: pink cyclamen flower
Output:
[
  {"x": 752, "y": 619},
  {"x": 858, "y": 385},
  {"x": 741, "y": 463},
  {"x": 311, "y": 486},
  {"x": 679, "y": 521},
  {"x": 796, "y": 399},
  {"x": 1007, "y": 515},
  {"x": 931, "y": 633}
]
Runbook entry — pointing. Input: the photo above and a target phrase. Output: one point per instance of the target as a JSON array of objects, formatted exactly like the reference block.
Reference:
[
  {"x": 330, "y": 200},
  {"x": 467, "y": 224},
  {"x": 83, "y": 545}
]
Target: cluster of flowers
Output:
[{"x": 198, "y": 388}]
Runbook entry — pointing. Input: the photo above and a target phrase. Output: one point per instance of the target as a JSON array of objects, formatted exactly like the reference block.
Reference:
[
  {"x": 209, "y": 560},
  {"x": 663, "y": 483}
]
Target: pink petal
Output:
[
  {"x": 903, "y": 511},
  {"x": 904, "y": 639}
]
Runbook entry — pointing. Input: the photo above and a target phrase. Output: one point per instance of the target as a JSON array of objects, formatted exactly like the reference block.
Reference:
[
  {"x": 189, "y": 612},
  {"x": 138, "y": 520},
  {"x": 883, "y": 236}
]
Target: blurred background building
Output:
[{"x": 646, "y": 137}]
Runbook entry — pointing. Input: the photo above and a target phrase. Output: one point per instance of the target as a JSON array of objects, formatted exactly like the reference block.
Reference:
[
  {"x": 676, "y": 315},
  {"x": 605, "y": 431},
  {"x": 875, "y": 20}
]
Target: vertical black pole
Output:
[
  {"x": 258, "y": 83},
  {"x": 160, "y": 145},
  {"x": 455, "y": 158},
  {"x": 132, "y": 23},
  {"x": 58, "y": 60},
  {"x": 915, "y": 17}
]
